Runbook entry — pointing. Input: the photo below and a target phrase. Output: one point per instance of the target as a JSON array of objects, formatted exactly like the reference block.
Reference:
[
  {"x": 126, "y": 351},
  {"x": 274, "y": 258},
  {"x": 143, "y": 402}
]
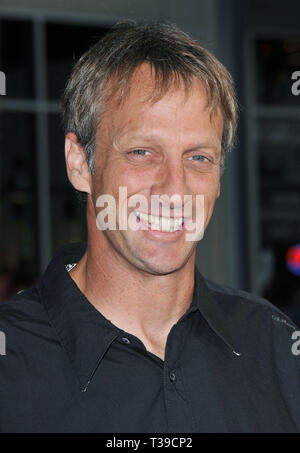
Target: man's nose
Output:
[{"x": 171, "y": 180}]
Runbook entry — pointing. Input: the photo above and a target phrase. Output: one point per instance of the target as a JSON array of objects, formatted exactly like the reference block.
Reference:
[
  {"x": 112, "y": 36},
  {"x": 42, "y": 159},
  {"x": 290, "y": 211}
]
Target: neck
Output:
[{"x": 136, "y": 301}]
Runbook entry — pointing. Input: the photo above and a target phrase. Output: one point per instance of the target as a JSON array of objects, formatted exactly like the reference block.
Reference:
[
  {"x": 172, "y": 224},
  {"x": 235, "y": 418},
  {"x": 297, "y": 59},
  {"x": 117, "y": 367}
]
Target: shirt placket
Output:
[{"x": 179, "y": 412}]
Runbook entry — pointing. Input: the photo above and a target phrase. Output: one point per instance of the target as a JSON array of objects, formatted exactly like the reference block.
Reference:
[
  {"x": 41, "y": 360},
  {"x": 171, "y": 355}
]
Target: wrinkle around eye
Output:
[{"x": 140, "y": 156}]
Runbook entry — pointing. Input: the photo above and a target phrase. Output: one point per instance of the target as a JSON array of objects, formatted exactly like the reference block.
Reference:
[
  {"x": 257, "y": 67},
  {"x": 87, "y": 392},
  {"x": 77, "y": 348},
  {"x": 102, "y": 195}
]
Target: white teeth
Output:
[{"x": 160, "y": 223}]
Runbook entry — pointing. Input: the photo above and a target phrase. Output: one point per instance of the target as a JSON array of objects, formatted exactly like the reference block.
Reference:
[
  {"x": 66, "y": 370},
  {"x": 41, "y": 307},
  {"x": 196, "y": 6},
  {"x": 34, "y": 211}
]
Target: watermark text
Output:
[
  {"x": 2, "y": 84},
  {"x": 2, "y": 344},
  {"x": 161, "y": 213},
  {"x": 296, "y": 84},
  {"x": 296, "y": 345}
]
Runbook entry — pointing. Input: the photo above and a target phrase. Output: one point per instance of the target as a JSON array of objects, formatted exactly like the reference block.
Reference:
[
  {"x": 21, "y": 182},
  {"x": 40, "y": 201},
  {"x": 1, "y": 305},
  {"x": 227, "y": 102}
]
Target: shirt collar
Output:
[
  {"x": 84, "y": 332},
  {"x": 211, "y": 311}
]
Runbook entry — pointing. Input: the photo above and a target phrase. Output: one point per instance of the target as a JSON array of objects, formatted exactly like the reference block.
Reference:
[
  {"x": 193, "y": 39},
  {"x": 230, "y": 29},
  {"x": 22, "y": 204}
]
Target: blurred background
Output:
[{"x": 252, "y": 242}]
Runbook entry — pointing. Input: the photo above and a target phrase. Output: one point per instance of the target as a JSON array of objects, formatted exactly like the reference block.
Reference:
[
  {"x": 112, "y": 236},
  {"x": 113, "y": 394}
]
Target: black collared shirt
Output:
[{"x": 228, "y": 365}]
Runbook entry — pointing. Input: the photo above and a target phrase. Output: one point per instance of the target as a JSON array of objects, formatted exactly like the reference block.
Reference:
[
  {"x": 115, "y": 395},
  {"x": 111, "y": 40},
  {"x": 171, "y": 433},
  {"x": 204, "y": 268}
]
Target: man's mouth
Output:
[{"x": 165, "y": 224}]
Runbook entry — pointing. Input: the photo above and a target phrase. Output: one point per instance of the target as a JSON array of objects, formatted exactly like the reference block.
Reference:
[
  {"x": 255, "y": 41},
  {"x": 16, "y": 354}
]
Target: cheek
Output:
[
  {"x": 212, "y": 196},
  {"x": 122, "y": 186},
  {"x": 136, "y": 181},
  {"x": 207, "y": 186},
  {"x": 210, "y": 190}
]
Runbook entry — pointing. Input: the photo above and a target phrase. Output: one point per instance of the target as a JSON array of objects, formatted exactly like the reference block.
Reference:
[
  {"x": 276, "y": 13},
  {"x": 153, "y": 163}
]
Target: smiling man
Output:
[
  {"x": 138, "y": 148},
  {"x": 124, "y": 334}
]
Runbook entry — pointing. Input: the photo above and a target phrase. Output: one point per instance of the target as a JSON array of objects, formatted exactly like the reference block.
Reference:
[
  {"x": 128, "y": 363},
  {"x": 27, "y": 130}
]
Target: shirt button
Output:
[
  {"x": 172, "y": 376},
  {"x": 126, "y": 340}
]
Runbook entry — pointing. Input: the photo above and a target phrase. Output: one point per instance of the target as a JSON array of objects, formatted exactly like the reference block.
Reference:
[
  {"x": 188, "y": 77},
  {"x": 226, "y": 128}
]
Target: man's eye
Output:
[
  {"x": 139, "y": 152},
  {"x": 200, "y": 158},
  {"x": 202, "y": 163}
]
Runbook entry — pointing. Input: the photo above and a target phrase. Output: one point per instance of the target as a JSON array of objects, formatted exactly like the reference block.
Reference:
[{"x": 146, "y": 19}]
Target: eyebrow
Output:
[{"x": 156, "y": 140}]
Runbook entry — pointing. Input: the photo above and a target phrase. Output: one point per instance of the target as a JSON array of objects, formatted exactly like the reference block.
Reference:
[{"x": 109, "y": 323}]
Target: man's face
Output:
[{"x": 162, "y": 148}]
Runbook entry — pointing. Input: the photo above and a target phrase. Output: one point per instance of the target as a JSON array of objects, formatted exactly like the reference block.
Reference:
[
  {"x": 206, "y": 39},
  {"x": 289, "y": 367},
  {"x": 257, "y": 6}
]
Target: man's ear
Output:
[{"x": 77, "y": 168}]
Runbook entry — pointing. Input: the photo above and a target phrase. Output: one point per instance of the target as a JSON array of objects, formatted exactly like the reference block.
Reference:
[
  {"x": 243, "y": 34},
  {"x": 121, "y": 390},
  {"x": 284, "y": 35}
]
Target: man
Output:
[{"x": 124, "y": 334}]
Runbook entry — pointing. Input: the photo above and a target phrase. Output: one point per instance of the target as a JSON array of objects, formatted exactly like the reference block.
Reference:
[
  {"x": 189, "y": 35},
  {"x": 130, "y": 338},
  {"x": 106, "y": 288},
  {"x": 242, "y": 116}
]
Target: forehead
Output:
[{"x": 145, "y": 105}]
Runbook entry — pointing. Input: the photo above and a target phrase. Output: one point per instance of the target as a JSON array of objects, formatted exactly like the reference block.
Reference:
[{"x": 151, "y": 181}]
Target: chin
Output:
[
  {"x": 164, "y": 267},
  {"x": 162, "y": 270}
]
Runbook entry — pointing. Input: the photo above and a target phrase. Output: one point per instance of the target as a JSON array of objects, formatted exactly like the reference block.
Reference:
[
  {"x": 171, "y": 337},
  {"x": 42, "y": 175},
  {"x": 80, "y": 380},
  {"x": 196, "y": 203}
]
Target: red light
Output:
[{"x": 293, "y": 259}]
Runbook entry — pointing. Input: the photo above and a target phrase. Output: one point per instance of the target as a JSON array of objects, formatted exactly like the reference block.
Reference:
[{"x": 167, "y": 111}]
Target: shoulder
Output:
[
  {"x": 242, "y": 304},
  {"x": 260, "y": 330},
  {"x": 21, "y": 316},
  {"x": 26, "y": 302}
]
